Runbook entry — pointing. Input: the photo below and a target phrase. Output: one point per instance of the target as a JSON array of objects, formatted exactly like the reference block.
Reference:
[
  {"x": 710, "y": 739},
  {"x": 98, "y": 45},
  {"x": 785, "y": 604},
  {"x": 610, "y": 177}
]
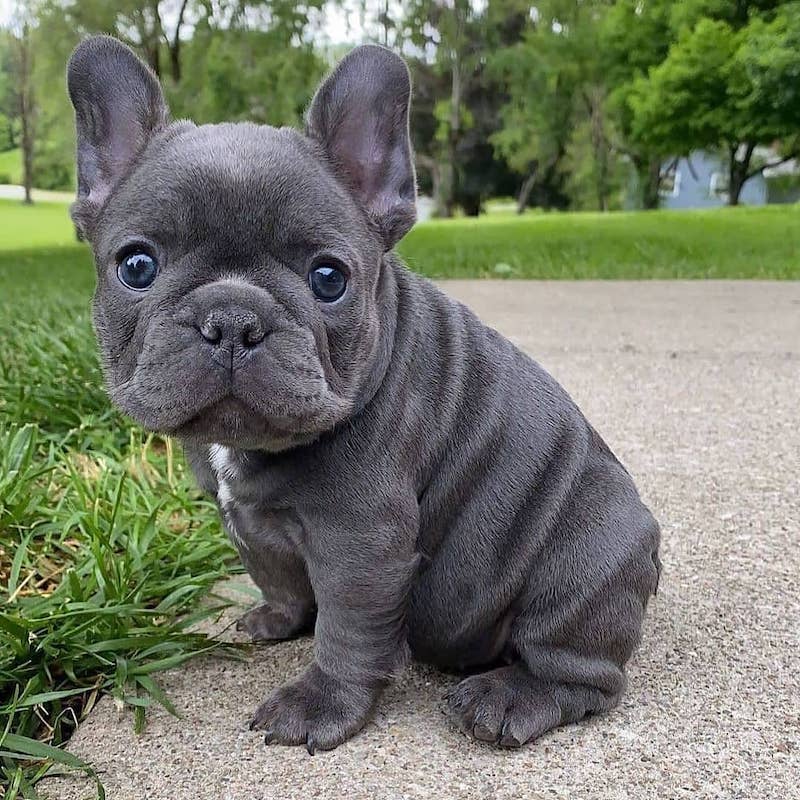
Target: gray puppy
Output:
[{"x": 391, "y": 470}]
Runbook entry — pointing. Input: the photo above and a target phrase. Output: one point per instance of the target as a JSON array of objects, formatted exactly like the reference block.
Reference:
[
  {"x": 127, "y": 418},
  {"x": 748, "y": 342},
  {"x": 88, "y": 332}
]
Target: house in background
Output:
[{"x": 701, "y": 181}]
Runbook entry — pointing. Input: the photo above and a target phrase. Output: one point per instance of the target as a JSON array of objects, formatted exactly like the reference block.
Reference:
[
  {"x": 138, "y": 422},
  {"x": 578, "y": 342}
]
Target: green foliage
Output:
[
  {"x": 9, "y": 97},
  {"x": 539, "y": 113},
  {"x": 245, "y": 75},
  {"x": 582, "y": 171},
  {"x": 769, "y": 92},
  {"x": 460, "y": 95},
  {"x": 559, "y": 121},
  {"x": 685, "y": 103},
  {"x": 729, "y": 82},
  {"x": 561, "y": 98},
  {"x": 735, "y": 13},
  {"x": 633, "y": 36}
]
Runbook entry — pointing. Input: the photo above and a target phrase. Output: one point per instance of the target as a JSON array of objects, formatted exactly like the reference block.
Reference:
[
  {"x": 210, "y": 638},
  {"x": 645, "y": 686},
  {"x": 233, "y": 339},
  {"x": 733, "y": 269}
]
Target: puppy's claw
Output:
[
  {"x": 483, "y": 734},
  {"x": 311, "y": 745},
  {"x": 507, "y": 739},
  {"x": 269, "y": 737}
]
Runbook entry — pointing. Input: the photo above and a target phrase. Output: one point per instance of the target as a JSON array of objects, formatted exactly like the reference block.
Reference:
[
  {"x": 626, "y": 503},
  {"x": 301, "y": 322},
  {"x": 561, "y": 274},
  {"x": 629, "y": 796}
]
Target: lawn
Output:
[
  {"x": 11, "y": 166},
  {"x": 106, "y": 547},
  {"x": 719, "y": 243}
]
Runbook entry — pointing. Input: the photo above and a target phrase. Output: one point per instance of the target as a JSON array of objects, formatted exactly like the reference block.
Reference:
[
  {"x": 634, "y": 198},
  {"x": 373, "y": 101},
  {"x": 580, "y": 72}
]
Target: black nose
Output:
[{"x": 240, "y": 327}]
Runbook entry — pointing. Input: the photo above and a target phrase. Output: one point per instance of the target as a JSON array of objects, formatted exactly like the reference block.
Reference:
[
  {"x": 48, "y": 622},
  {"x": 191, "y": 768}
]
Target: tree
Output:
[
  {"x": 447, "y": 29},
  {"x": 241, "y": 74},
  {"x": 9, "y": 94},
  {"x": 21, "y": 75},
  {"x": 243, "y": 61},
  {"x": 27, "y": 106},
  {"x": 722, "y": 88},
  {"x": 538, "y": 116},
  {"x": 558, "y": 99},
  {"x": 459, "y": 93},
  {"x": 635, "y": 35}
]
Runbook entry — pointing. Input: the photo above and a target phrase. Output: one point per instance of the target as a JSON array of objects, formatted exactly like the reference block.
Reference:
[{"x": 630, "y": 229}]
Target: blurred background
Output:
[{"x": 569, "y": 104}]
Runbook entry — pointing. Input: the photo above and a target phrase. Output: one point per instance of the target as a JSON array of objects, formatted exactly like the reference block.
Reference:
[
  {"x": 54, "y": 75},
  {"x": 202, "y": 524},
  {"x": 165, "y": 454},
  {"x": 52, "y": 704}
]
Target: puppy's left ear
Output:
[{"x": 360, "y": 116}]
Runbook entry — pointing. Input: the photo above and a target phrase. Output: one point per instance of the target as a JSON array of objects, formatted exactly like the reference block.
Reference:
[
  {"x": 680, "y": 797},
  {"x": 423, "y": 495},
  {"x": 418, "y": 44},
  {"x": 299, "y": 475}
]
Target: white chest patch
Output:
[{"x": 225, "y": 470}]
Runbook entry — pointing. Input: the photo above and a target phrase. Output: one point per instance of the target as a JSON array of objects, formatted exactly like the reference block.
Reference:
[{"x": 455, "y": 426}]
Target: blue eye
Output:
[
  {"x": 137, "y": 271},
  {"x": 327, "y": 282}
]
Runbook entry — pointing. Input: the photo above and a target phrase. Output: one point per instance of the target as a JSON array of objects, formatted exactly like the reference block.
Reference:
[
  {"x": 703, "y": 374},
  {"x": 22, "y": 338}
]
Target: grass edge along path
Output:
[{"x": 722, "y": 243}]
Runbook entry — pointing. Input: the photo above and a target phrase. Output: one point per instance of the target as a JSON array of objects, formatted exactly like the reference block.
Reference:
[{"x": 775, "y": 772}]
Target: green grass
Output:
[
  {"x": 11, "y": 165},
  {"x": 719, "y": 243},
  {"x": 106, "y": 546},
  {"x": 31, "y": 227}
]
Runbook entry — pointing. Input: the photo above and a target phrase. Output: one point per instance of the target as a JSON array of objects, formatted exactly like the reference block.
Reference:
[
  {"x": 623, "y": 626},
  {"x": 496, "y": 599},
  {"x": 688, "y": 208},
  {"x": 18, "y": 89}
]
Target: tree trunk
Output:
[
  {"x": 450, "y": 171},
  {"x": 650, "y": 179},
  {"x": 471, "y": 205},
  {"x": 150, "y": 30},
  {"x": 26, "y": 110},
  {"x": 175, "y": 45},
  {"x": 434, "y": 168},
  {"x": 526, "y": 189},
  {"x": 738, "y": 172},
  {"x": 445, "y": 202},
  {"x": 175, "y": 60},
  {"x": 594, "y": 101}
]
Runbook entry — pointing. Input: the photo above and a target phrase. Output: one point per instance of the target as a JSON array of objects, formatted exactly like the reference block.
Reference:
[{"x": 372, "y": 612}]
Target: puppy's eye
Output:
[
  {"x": 137, "y": 271},
  {"x": 327, "y": 282}
]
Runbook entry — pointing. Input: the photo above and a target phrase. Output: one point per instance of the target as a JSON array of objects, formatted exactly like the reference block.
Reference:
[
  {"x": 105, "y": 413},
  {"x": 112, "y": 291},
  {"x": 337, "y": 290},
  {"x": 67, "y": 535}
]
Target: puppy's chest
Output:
[{"x": 253, "y": 502}]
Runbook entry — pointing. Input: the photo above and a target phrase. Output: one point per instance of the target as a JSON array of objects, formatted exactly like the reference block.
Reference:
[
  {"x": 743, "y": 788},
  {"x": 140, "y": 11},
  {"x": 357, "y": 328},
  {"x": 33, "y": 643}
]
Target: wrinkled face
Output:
[
  {"x": 241, "y": 287},
  {"x": 238, "y": 288}
]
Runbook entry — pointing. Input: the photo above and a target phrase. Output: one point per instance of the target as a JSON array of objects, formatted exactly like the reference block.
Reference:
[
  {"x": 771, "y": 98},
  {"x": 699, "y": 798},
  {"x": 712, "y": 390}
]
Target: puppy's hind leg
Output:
[
  {"x": 570, "y": 664},
  {"x": 509, "y": 706}
]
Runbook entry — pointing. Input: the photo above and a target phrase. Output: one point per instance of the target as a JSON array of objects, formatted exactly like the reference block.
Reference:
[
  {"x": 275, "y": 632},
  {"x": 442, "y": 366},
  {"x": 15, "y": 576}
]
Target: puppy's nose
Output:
[{"x": 240, "y": 327}]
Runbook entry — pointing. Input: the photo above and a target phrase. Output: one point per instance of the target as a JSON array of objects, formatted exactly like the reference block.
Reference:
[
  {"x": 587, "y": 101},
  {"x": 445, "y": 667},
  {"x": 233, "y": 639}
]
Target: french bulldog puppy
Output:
[{"x": 392, "y": 471}]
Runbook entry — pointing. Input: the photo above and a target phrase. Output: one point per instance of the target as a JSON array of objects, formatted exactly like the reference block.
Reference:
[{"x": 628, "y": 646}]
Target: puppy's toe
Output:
[
  {"x": 263, "y": 624},
  {"x": 316, "y": 710}
]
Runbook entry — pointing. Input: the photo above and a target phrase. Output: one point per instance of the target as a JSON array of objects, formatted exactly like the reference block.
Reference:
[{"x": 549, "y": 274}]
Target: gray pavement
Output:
[
  {"x": 10, "y": 191},
  {"x": 696, "y": 386}
]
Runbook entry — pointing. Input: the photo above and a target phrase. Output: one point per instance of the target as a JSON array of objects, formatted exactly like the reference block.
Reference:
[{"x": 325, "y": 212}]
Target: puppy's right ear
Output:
[{"x": 119, "y": 106}]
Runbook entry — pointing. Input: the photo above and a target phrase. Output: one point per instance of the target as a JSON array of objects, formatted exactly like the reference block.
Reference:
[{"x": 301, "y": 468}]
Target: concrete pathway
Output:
[
  {"x": 696, "y": 386},
  {"x": 10, "y": 191}
]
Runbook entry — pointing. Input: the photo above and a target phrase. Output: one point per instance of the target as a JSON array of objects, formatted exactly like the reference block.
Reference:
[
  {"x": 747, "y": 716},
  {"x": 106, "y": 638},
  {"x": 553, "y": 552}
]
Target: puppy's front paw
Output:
[
  {"x": 316, "y": 710},
  {"x": 265, "y": 624}
]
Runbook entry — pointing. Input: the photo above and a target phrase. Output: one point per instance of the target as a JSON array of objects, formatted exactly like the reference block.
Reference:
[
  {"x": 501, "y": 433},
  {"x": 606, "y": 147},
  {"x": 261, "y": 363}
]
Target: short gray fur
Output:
[{"x": 391, "y": 470}]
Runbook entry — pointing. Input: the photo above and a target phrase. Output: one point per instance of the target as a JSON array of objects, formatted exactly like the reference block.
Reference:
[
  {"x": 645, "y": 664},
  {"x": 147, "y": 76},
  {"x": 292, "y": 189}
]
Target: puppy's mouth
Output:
[
  {"x": 232, "y": 422},
  {"x": 268, "y": 401}
]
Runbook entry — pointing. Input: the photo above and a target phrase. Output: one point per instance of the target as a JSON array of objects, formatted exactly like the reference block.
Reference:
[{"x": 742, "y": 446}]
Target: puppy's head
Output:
[{"x": 240, "y": 268}]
